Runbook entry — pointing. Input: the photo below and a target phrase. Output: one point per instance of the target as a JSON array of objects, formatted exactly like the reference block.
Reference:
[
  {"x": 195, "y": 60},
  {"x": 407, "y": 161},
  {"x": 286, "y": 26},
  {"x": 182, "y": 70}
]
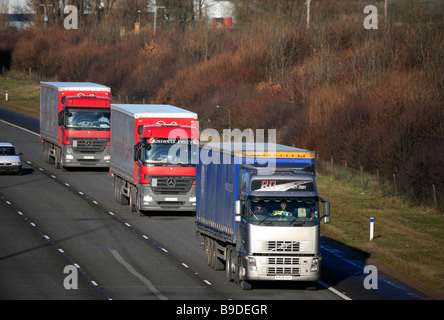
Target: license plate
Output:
[
  {"x": 88, "y": 157},
  {"x": 170, "y": 199},
  {"x": 283, "y": 277}
]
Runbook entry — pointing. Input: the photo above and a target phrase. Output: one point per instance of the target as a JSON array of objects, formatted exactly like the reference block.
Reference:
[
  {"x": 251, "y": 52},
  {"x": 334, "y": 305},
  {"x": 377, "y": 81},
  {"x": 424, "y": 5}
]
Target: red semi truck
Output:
[
  {"x": 75, "y": 123},
  {"x": 153, "y": 155}
]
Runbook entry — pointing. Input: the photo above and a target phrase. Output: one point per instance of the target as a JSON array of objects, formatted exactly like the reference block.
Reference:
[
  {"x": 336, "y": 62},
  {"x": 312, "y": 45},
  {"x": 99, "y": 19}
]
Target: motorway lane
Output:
[
  {"x": 120, "y": 262},
  {"x": 81, "y": 224},
  {"x": 175, "y": 233},
  {"x": 30, "y": 266}
]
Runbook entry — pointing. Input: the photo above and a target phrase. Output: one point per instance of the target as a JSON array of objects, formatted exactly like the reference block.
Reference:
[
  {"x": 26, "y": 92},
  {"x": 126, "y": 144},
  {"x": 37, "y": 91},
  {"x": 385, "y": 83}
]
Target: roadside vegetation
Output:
[{"x": 370, "y": 98}]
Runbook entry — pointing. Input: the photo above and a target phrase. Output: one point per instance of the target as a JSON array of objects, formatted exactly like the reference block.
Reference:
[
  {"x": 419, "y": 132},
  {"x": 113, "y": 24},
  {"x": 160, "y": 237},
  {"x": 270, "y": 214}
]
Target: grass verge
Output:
[
  {"x": 409, "y": 239},
  {"x": 23, "y": 96}
]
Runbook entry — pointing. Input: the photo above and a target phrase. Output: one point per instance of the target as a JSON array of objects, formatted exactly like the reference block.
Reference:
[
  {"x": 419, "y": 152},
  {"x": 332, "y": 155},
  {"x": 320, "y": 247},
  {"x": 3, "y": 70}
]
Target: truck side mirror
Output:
[
  {"x": 136, "y": 151},
  {"x": 60, "y": 116},
  {"x": 327, "y": 218},
  {"x": 237, "y": 211},
  {"x": 327, "y": 208}
]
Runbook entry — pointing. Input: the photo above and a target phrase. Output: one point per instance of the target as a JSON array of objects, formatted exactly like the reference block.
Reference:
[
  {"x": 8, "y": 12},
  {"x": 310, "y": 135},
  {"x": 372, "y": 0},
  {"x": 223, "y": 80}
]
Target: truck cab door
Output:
[{"x": 138, "y": 160}]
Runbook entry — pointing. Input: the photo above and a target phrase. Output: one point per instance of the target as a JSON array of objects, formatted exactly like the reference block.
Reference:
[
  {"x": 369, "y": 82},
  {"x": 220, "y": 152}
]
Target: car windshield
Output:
[
  {"x": 85, "y": 119},
  {"x": 8, "y": 151},
  {"x": 284, "y": 210},
  {"x": 162, "y": 154}
]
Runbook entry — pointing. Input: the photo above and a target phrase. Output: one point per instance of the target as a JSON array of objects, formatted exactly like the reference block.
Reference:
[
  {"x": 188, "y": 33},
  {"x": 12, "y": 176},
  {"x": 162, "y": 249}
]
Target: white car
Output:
[{"x": 10, "y": 158}]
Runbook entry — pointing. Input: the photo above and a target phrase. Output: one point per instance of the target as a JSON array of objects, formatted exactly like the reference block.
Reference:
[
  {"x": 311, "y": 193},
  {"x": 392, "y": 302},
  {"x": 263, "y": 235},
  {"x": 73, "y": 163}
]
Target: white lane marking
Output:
[
  {"x": 208, "y": 282},
  {"x": 130, "y": 268},
  {"x": 24, "y": 129},
  {"x": 340, "y": 294}
]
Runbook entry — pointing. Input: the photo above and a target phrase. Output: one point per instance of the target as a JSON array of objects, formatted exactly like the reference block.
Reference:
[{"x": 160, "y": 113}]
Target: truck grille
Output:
[
  {"x": 288, "y": 271},
  {"x": 283, "y": 246},
  {"x": 172, "y": 184},
  {"x": 89, "y": 144},
  {"x": 283, "y": 260}
]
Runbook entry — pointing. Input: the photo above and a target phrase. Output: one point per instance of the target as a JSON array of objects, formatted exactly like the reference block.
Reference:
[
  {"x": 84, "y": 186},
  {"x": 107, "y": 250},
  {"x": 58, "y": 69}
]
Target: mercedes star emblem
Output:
[{"x": 171, "y": 182}]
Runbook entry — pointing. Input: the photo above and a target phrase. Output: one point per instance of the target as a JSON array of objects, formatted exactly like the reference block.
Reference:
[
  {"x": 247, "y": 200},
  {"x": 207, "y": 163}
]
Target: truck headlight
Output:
[
  {"x": 314, "y": 265},
  {"x": 69, "y": 157},
  {"x": 192, "y": 199},
  {"x": 107, "y": 157},
  {"x": 252, "y": 264},
  {"x": 147, "y": 198}
]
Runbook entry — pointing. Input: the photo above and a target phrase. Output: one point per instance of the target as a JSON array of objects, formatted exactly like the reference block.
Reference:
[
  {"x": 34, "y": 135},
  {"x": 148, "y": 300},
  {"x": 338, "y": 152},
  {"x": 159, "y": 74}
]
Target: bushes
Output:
[{"x": 371, "y": 97}]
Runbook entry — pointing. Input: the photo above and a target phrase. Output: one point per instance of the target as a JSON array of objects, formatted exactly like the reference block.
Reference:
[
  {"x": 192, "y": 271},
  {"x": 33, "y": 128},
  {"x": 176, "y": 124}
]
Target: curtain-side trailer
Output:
[{"x": 258, "y": 212}]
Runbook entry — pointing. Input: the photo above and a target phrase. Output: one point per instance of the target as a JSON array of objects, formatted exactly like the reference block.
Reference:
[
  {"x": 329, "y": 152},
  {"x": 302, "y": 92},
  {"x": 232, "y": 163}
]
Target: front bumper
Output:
[
  {"x": 10, "y": 168},
  {"x": 72, "y": 158},
  {"x": 282, "y": 268},
  {"x": 174, "y": 202}
]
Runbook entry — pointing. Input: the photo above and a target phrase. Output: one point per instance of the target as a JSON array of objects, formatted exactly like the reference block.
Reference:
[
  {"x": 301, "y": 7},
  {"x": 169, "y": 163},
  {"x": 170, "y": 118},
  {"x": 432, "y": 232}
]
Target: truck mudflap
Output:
[
  {"x": 150, "y": 201},
  {"x": 281, "y": 268}
]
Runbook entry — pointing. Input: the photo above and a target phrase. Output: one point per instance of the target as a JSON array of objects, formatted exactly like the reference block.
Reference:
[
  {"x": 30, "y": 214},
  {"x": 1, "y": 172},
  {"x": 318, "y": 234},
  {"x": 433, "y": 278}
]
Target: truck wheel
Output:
[
  {"x": 120, "y": 198},
  {"x": 207, "y": 249},
  {"x": 228, "y": 265},
  {"x": 116, "y": 182},
  {"x": 212, "y": 252},
  {"x": 244, "y": 285},
  {"x": 132, "y": 199},
  {"x": 45, "y": 152},
  {"x": 236, "y": 268},
  {"x": 57, "y": 159}
]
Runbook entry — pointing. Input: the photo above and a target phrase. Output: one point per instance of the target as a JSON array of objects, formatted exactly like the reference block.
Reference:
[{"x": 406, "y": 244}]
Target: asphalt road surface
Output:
[{"x": 63, "y": 236}]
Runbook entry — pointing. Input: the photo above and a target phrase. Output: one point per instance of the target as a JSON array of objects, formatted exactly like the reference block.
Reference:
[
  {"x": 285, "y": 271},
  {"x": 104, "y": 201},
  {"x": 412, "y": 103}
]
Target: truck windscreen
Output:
[
  {"x": 87, "y": 119},
  {"x": 170, "y": 153},
  {"x": 283, "y": 210}
]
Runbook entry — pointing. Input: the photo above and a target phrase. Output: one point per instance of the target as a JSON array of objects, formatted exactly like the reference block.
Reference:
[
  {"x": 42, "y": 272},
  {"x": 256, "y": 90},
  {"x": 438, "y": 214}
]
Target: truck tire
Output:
[
  {"x": 229, "y": 264},
  {"x": 244, "y": 285},
  {"x": 211, "y": 252},
  {"x": 120, "y": 198},
  {"x": 57, "y": 159},
  {"x": 236, "y": 261},
  {"x": 133, "y": 199},
  {"x": 207, "y": 249}
]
